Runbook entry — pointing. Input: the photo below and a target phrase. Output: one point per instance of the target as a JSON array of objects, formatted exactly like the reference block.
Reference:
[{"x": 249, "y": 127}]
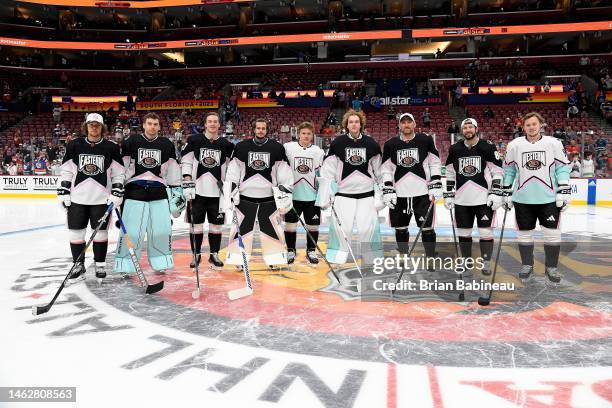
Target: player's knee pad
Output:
[
  {"x": 290, "y": 226},
  {"x": 198, "y": 228},
  {"x": 464, "y": 232},
  {"x": 101, "y": 236},
  {"x": 215, "y": 229},
  {"x": 525, "y": 236},
  {"x": 485, "y": 233},
  {"x": 551, "y": 235},
  {"x": 312, "y": 228},
  {"x": 77, "y": 236}
]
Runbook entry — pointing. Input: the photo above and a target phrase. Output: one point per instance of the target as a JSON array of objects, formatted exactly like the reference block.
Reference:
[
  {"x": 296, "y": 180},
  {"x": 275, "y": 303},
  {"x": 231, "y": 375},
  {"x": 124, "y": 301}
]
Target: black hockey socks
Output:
[
  {"x": 402, "y": 236},
  {"x": 76, "y": 250},
  {"x": 214, "y": 241},
  {"x": 526, "y": 251},
  {"x": 310, "y": 246},
  {"x": 196, "y": 241},
  {"x": 551, "y": 255},
  {"x": 99, "y": 250},
  {"x": 465, "y": 246},
  {"x": 290, "y": 238},
  {"x": 486, "y": 248},
  {"x": 429, "y": 242}
]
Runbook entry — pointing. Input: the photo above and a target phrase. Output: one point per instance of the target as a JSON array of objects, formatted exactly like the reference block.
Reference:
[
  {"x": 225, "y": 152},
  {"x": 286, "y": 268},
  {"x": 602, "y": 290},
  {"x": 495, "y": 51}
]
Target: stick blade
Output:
[
  {"x": 195, "y": 294},
  {"x": 483, "y": 301},
  {"x": 156, "y": 287},
  {"x": 239, "y": 293},
  {"x": 38, "y": 310}
]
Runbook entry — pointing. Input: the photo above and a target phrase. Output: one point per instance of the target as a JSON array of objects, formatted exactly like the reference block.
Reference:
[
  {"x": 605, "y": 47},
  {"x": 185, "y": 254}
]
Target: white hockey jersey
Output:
[
  {"x": 305, "y": 163},
  {"x": 537, "y": 169}
]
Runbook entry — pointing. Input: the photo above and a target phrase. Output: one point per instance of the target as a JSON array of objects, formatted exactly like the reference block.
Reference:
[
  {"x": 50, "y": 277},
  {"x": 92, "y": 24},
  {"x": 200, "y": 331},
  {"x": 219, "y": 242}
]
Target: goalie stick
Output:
[{"x": 248, "y": 289}]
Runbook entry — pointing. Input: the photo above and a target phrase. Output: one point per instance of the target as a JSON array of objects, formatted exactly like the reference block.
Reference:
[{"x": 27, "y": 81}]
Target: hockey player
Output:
[
  {"x": 539, "y": 166},
  {"x": 92, "y": 177},
  {"x": 474, "y": 189},
  {"x": 152, "y": 194},
  {"x": 349, "y": 174},
  {"x": 411, "y": 175},
  {"x": 257, "y": 167},
  {"x": 203, "y": 164},
  {"x": 305, "y": 159}
]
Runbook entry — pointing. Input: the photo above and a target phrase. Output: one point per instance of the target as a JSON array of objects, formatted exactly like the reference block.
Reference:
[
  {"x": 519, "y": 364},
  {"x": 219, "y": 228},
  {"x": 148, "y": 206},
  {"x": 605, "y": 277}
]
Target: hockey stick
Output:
[
  {"x": 149, "y": 289},
  {"x": 484, "y": 301},
  {"x": 248, "y": 289},
  {"x": 462, "y": 294},
  {"x": 348, "y": 243},
  {"x": 196, "y": 293},
  {"x": 316, "y": 244},
  {"x": 38, "y": 310},
  {"x": 416, "y": 239}
]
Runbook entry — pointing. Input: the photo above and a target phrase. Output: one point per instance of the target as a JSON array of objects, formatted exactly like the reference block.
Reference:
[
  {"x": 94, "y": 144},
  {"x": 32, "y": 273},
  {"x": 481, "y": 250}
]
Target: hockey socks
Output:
[
  {"x": 486, "y": 248},
  {"x": 214, "y": 241},
  {"x": 465, "y": 245},
  {"x": 99, "y": 250},
  {"x": 401, "y": 237},
  {"x": 76, "y": 250},
  {"x": 526, "y": 251},
  {"x": 429, "y": 242},
  {"x": 290, "y": 238},
  {"x": 311, "y": 245},
  {"x": 551, "y": 255}
]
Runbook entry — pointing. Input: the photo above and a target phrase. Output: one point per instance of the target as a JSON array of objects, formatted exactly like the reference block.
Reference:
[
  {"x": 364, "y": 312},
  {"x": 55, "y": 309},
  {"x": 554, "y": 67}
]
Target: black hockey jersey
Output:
[
  {"x": 150, "y": 163},
  {"x": 353, "y": 164},
  {"x": 92, "y": 169},
  {"x": 256, "y": 168},
  {"x": 473, "y": 169},
  {"x": 205, "y": 161},
  {"x": 411, "y": 165}
]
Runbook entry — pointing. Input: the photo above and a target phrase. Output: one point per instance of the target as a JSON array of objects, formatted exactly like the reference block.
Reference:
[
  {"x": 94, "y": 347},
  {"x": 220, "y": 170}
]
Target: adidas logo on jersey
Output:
[
  {"x": 551, "y": 218},
  {"x": 421, "y": 218},
  {"x": 485, "y": 218},
  {"x": 316, "y": 217}
]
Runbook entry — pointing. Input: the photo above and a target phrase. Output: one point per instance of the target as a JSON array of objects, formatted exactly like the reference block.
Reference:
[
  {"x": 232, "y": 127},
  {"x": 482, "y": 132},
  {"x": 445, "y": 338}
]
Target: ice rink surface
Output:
[{"x": 302, "y": 340}]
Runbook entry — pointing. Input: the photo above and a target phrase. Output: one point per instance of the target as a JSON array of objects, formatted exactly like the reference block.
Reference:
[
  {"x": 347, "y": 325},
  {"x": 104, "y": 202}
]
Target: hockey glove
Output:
[
  {"x": 231, "y": 196},
  {"x": 449, "y": 195},
  {"x": 189, "y": 189},
  {"x": 507, "y": 192},
  {"x": 116, "y": 195},
  {"x": 495, "y": 199},
  {"x": 177, "y": 201},
  {"x": 564, "y": 193},
  {"x": 435, "y": 189},
  {"x": 389, "y": 195},
  {"x": 63, "y": 194},
  {"x": 283, "y": 199}
]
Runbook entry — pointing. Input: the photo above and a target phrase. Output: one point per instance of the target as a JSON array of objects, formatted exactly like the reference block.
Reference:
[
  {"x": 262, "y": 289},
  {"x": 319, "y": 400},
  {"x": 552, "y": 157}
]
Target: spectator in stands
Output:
[
  {"x": 575, "y": 166},
  {"x": 518, "y": 121},
  {"x": 458, "y": 94},
  {"x": 229, "y": 129},
  {"x": 56, "y": 133},
  {"x": 376, "y": 103},
  {"x": 570, "y": 133},
  {"x": 12, "y": 169},
  {"x": 391, "y": 112},
  {"x": 588, "y": 165},
  {"x": 57, "y": 113},
  {"x": 572, "y": 112},
  {"x": 123, "y": 116},
  {"x": 284, "y": 130},
  {"x": 490, "y": 91},
  {"x": 282, "y": 95},
  {"x": 488, "y": 113},
  {"x": 453, "y": 128},
  {"x": 584, "y": 61},
  {"x": 426, "y": 118},
  {"x": 366, "y": 103},
  {"x": 293, "y": 132},
  {"x": 357, "y": 104},
  {"x": 601, "y": 143},
  {"x": 602, "y": 164},
  {"x": 559, "y": 133},
  {"x": 546, "y": 87},
  {"x": 573, "y": 148},
  {"x": 508, "y": 128},
  {"x": 52, "y": 151}
]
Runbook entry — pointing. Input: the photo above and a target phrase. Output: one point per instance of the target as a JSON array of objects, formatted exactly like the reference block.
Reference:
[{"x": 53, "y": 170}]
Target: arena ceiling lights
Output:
[{"x": 131, "y": 4}]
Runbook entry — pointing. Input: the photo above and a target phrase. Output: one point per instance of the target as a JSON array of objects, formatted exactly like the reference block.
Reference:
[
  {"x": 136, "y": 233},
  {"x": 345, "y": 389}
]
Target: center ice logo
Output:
[
  {"x": 302, "y": 165},
  {"x": 469, "y": 166},
  {"x": 534, "y": 160},
  {"x": 91, "y": 164},
  {"x": 259, "y": 160},
  {"x": 407, "y": 157},
  {"x": 210, "y": 158},
  {"x": 355, "y": 155},
  {"x": 149, "y": 158}
]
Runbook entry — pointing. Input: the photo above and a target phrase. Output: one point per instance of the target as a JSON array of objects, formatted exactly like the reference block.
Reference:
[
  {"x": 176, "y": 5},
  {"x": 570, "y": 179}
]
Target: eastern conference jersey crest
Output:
[
  {"x": 91, "y": 164},
  {"x": 355, "y": 156},
  {"x": 534, "y": 160},
  {"x": 303, "y": 165},
  {"x": 259, "y": 160},
  {"x": 407, "y": 157},
  {"x": 149, "y": 158},
  {"x": 209, "y": 157},
  {"x": 470, "y": 166}
]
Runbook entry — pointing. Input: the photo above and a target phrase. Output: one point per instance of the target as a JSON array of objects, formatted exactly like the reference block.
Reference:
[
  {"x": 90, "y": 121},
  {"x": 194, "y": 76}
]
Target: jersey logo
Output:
[
  {"x": 149, "y": 158},
  {"x": 551, "y": 218},
  {"x": 469, "y": 166},
  {"x": 355, "y": 156},
  {"x": 303, "y": 165},
  {"x": 315, "y": 217},
  {"x": 534, "y": 160},
  {"x": 210, "y": 158},
  {"x": 91, "y": 164},
  {"x": 484, "y": 218},
  {"x": 259, "y": 160},
  {"x": 407, "y": 157}
]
